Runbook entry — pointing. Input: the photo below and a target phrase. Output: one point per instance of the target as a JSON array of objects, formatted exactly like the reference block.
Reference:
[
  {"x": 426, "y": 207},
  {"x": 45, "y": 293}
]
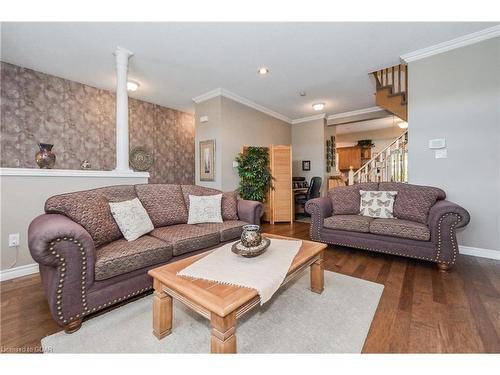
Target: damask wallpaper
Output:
[{"x": 80, "y": 121}]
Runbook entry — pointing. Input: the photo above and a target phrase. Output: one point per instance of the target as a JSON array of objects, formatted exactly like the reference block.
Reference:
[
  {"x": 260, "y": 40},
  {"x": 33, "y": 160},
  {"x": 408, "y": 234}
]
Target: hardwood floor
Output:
[{"x": 421, "y": 310}]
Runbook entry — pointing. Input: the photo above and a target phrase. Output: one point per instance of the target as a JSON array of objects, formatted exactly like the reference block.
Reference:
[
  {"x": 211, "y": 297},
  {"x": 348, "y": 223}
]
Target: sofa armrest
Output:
[
  {"x": 250, "y": 211},
  {"x": 444, "y": 217},
  {"x": 66, "y": 254},
  {"x": 319, "y": 209}
]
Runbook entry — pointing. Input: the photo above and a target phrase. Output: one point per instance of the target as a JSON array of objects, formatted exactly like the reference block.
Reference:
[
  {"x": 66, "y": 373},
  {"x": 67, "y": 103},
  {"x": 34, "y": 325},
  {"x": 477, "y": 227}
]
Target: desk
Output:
[{"x": 298, "y": 191}]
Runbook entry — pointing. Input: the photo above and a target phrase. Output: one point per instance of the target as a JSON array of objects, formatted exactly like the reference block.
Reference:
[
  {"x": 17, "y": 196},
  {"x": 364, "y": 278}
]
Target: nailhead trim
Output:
[
  {"x": 62, "y": 276},
  {"x": 317, "y": 236}
]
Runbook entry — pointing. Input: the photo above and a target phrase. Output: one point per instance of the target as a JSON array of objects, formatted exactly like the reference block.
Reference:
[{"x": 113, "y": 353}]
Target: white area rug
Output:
[
  {"x": 264, "y": 273},
  {"x": 296, "y": 320}
]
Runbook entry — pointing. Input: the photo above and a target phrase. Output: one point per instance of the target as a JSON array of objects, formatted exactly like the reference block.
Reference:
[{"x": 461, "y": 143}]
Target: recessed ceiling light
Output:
[
  {"x": 263, "y": 71},
  {"x": 132, "y": 85},
  {"x": 403, "y": 125},
  {"x": 318, "y": 106}
]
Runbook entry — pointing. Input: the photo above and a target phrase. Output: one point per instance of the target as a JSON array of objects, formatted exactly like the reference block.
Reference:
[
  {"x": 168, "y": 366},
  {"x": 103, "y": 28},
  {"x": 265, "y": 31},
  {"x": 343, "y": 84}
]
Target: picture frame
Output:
[
  {"x": 207, "y": 160},
  {"x": 306, "y": 165}
]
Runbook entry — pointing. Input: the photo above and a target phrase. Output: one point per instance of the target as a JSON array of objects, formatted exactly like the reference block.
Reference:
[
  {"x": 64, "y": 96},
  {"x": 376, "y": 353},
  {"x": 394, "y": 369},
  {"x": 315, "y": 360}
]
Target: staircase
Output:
[
  {"x": 392, "y": 84},
  {"x": 390, "y": 164}
]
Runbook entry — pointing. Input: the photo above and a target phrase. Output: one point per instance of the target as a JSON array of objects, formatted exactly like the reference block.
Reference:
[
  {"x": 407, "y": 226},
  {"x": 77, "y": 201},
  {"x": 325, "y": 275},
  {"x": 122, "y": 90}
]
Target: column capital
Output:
[{"x": 122, "y": 55}]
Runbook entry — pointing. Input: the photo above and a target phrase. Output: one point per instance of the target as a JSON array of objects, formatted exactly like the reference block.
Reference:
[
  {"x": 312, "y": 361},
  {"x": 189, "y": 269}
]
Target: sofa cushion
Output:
[
  {"x": 186, "y": 237},
  {"x": 400, "y": 228},
  {"x": 355, "y": 223},
  {"x": 164, "y": 203},
  {"x": 346, "y": 199},
  {"x": 229, "y": 199},
  {"x": 413, "y": 202},
  {"x": 229, "y": 206},
  {"x": 91, "y": 210},
  {"x": 121, "y": 256},
  {"x": 228, "y": 230}
]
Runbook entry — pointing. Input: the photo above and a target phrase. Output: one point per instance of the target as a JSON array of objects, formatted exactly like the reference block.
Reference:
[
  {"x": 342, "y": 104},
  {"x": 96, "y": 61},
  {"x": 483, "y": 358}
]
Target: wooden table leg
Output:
[
  {"x": 162, "y": 311},
  {"x": 223, "y": 338},
  {"x": 317, "y": 275}
]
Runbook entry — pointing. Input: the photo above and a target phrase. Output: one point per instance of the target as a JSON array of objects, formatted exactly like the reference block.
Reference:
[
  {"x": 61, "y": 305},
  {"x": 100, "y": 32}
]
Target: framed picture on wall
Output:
[
  {"x": 207, "y": 160},
  {"x": 306, "y": 165}
]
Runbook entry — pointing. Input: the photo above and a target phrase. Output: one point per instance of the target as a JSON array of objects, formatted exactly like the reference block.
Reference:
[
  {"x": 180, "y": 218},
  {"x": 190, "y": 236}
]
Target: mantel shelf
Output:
[{"x": 32, "y": 172}]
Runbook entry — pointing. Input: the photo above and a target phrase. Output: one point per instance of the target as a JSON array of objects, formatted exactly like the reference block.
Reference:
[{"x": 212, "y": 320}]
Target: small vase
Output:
[
  {"x": 45, "y": 158},
  {"x": 250, "y": 237}
]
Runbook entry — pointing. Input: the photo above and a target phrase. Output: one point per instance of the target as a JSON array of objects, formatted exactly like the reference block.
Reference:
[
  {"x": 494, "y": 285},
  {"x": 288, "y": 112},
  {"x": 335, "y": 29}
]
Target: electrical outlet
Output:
[{"x": 14, "y": 240}]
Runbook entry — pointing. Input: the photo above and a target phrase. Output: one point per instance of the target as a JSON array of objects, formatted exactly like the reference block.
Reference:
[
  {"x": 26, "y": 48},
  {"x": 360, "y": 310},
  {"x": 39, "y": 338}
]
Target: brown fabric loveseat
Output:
[
  {"x": 85, "y": 263},
  {"x": 423, "y": 227}
]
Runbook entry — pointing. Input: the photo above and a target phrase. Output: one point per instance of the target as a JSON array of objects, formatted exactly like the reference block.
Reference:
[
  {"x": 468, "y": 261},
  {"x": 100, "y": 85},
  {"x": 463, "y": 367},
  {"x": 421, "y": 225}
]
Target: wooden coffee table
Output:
[{"x": 221, "y": 304}]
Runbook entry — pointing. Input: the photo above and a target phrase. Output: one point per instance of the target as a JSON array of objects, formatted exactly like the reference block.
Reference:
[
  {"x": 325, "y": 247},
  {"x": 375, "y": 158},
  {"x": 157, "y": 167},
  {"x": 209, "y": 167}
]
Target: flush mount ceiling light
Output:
[
  {"x": 263, "y": 71},
  {"x": 403, "y": 125},
  {"x": 132, "y": 85},
  {"x": 318, "y": 106}
]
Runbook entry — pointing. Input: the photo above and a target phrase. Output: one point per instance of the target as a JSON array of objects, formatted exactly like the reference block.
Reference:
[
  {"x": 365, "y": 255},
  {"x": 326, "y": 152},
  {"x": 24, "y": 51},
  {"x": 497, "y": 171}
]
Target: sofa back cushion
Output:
[
  {"x": 229, "y": 199},
  {"x": 90, "y": 209},
  {"x": 413, "y": 202},
  {"x": 346, "y": 199},
  {"x": 164, "y": 203}
]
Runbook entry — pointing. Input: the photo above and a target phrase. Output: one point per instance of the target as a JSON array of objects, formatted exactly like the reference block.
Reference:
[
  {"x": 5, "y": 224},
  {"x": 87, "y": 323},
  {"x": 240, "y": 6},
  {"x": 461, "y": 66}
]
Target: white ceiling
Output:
[{"x": 175, "y": 62}]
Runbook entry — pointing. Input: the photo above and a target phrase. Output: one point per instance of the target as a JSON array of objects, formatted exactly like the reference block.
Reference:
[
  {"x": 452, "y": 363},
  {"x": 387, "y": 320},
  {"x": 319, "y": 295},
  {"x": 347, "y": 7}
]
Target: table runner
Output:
[{"x": 264, "y": 273}]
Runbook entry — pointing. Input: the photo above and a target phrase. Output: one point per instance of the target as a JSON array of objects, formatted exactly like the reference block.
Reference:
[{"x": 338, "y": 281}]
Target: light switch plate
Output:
[
  {"x": 203, "y": 119},
  {"x": 14, "y": 240},
  {"x": 441, "y": 154},
  {"x": 437, "y": 143}
]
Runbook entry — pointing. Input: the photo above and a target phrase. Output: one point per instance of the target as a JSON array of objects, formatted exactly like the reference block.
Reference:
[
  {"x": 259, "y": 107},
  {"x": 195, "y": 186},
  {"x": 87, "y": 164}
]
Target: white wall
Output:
[
  {"x": 456, "y": 95},
  {"x": 234, "y": 125},
  {"x": 308, "y": 140},
  {"x": 212, "y": 129},
  {"x": 23, "y": 198}
]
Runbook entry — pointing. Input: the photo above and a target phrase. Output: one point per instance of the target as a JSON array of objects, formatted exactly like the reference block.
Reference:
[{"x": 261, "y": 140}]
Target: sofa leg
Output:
[
  {"x": 73, "y": 326},
  {"x": 443, "y": 267}
]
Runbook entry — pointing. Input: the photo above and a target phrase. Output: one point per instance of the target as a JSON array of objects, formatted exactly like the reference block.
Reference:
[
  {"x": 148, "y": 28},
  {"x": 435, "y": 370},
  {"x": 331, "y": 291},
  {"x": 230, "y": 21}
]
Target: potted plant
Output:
[{"x": 254, "y": 172}]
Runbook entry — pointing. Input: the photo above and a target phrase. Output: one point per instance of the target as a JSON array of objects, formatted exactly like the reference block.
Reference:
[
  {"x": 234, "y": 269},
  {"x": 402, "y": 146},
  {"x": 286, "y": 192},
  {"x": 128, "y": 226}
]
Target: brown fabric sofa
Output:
[
  {"x": 423, "y": 227},
  {"x": 85, "y": 263}
]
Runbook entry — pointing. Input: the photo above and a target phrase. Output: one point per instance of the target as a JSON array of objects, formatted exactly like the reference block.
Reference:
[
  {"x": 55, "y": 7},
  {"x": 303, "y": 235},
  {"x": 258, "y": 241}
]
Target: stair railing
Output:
[
  {"x": 390, "y": 164},
  {"x": 396, "y": 77}
]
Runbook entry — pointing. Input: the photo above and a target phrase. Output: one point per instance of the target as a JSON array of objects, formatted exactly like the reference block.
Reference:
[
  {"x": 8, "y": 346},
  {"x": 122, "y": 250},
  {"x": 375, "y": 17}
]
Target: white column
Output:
[{"x": 122, "y": 149}]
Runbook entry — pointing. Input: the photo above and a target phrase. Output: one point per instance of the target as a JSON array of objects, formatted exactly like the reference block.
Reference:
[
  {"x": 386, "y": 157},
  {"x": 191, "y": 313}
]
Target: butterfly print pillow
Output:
[{"x": 377, "y": 203}]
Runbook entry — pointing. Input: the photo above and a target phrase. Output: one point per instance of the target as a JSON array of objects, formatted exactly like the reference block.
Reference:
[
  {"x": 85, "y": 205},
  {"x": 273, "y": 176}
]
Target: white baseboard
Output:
[
  {"x": 478, "y": 252},
  {"x": 12, "y": 273}
]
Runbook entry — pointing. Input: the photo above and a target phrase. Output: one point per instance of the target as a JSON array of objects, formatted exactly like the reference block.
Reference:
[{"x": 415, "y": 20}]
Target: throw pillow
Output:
[
  {"x": 205, "y": 209},
  {"x": 132, "y": 218},
  {"x": 377, "y": 203}
]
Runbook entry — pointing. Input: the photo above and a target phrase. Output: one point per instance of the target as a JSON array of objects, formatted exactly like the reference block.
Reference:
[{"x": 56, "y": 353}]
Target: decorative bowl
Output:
[{"x": 251, "y": 252}]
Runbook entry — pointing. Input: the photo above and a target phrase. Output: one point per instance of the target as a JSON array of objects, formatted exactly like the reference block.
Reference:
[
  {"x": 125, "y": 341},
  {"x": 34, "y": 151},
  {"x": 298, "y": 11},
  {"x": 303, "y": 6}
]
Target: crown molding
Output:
[
  {"x": 208, "y": 95},
  {"x": 309, "y": 118},
  {"x": 478, "y": 36},
  {"x": 237, "y": 98},
  {"x": 231, "y": 95},
  {"x": 355, "y": 113}
]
